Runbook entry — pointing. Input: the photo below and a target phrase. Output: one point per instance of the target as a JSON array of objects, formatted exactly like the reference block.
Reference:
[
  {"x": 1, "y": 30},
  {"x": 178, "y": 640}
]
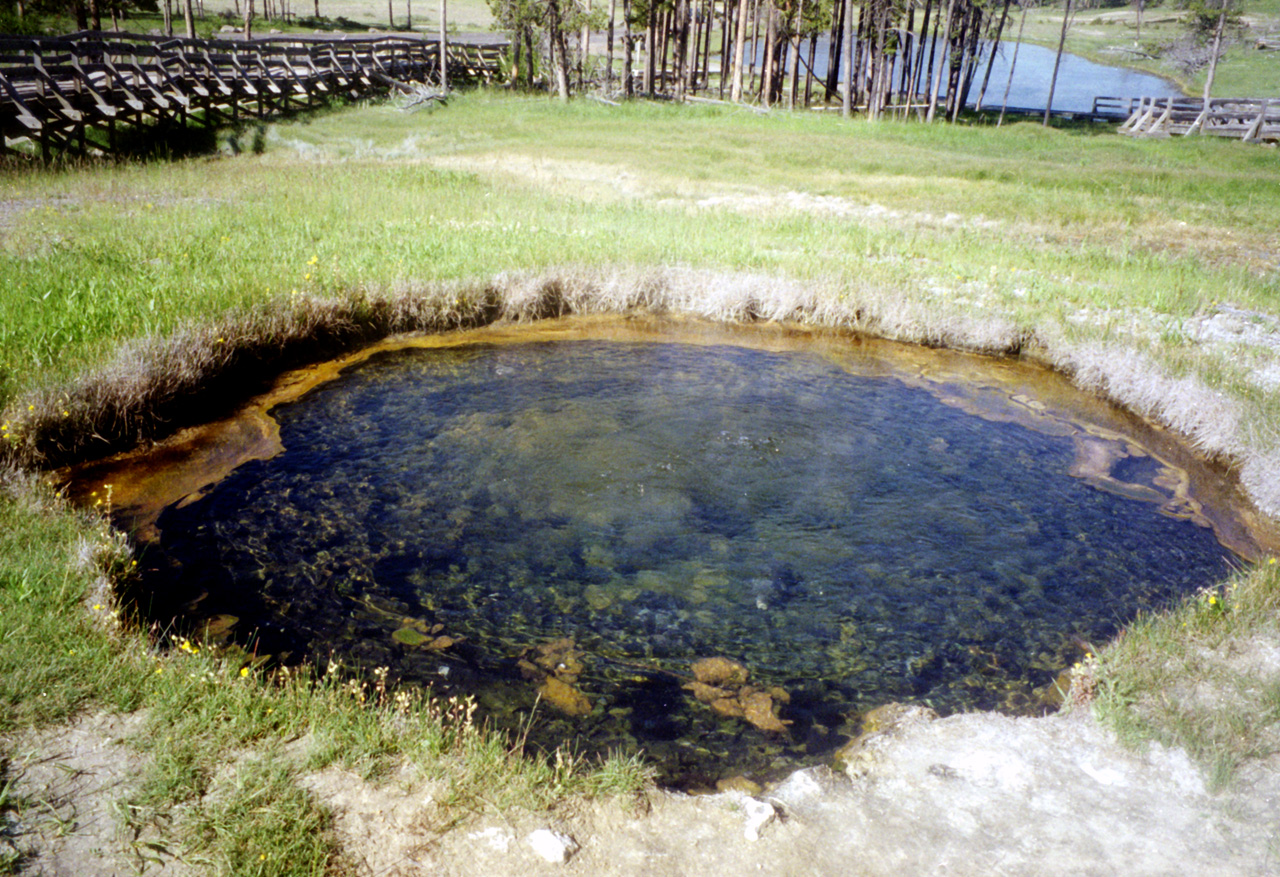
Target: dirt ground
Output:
[{"x": 976, "y": 794}]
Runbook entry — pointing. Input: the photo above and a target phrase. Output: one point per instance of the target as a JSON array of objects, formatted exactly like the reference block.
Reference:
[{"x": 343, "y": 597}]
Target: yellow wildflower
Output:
[{"x": 244, "y": 671}]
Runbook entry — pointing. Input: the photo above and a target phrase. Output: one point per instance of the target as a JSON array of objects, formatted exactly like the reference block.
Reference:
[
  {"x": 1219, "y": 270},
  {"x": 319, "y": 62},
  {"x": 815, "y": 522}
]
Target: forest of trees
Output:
[
  {"x": 926, "y": 57},
  {"x": 923, "y": 57},
  {"x": 891, "y": 53}
]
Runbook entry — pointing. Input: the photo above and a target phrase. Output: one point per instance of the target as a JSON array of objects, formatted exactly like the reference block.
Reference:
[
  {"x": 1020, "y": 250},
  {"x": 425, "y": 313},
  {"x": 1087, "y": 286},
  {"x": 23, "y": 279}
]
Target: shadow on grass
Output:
[{"x": 1079, "y": 125}]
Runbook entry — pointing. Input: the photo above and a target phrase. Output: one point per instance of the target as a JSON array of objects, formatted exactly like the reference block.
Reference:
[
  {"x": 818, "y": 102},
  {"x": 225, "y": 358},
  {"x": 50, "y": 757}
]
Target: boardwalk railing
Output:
[
  {"x": 69, "y": 95},
  {"x": 1248, "y": 119}
]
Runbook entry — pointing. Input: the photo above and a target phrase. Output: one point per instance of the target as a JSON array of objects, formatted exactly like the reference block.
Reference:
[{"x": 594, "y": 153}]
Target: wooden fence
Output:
[
  {"x": 70, "y": 95},
  {"x": 1249, "y": 119}
]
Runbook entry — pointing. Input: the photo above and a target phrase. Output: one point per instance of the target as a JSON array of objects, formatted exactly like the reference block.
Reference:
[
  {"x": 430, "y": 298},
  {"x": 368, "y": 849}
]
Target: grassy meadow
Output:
[{"x": 127, "y": 286}]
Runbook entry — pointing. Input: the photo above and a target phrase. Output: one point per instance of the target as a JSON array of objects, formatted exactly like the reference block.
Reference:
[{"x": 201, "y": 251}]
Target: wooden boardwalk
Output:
[
  {"x": 70, "y": 95},
  {"x": 1249, "y": 119}
]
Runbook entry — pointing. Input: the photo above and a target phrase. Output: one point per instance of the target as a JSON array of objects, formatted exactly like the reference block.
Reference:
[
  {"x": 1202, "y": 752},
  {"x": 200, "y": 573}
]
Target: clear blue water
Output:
[
  {"x": 848, "y": 539},
  {"x": 1079, "y": 79}
]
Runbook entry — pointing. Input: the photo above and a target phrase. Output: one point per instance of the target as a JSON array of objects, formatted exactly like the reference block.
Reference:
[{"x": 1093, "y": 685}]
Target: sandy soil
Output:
[{"x": 976, "y": 794}]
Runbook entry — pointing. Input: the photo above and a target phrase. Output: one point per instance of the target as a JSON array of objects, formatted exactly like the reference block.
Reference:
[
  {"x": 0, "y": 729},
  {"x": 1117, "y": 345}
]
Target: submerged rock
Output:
[{"x": 564, "y": 697}]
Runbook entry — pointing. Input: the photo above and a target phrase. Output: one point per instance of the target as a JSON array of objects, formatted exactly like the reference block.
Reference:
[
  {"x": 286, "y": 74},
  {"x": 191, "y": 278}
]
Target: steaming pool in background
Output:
[{"x": 579, "y": 523}]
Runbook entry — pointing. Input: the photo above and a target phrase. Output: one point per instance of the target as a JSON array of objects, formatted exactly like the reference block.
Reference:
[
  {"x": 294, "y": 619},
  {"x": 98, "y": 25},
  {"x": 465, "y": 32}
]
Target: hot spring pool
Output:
[{"x": 719, "y": 554}]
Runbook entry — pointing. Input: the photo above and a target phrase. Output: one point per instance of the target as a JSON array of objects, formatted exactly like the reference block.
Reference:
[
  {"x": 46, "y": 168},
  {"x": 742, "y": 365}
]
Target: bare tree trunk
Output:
[
  {"x": 664, "y": 41},
  {"x": 627, "y": 87},
  {"x": 921, "y": 43},
  {"x": 608, "y": 69},
  {"x": 969, "y": 57},
  {"x": 880, "y": 63},
  {"x": 695, "y": 43},
  {"x": 1137, "y": 37},
  {"x": 167, "y": 8},
  {"x": 846, "y": 100},
  {"x": 681, "y": 54},
  {"x": 1215, "y": 52},
  {"x": 408, "y": 14},
  {"x": 808, "y": 70},
  {"x": 728, "y": 39},
  {"x": 795, "y": 61},
  {"x": 559, "y": 53},
  {"x": 906, "y": 41},
  {"x": 835, "y": 46},
  {"x": 444, "y": 46},
  {"x": 917, "y": 65},
  {"x": 860, "y": 43},
  {"x": 739, "y": 45},
  {"x": 317, "y": 9},
  {"x": 755, "y": 43},
  {"x": 1053, "y": 80},
  {"x": 995, "y": 47},
  {"x": 585, "y": 49},
  {"x": 189, "y": 16},
  {"x": 248, "y": 19},
  {"x": 651, "y": 48},
  {"x": 517, "y": 58},
  {"x": 770, "y": 56},
  {"x": 1198, "y": 125},
  {"x": 1012, "y": 64},
  {"x": 530, "y": 54},
  {"x": 706, "y": 53},
  {"x": 937, "y": 74}
]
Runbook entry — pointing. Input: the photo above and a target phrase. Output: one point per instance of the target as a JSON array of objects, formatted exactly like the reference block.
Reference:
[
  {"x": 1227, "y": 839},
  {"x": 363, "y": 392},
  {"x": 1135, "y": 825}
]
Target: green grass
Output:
[
  {"x": 1063, "y": 233},
  {"x": 1182, "y": 678}
]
